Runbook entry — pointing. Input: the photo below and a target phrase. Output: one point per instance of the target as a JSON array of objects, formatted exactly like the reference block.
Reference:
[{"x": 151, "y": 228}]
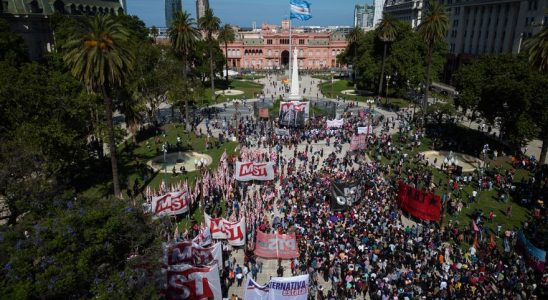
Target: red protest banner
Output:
[
  {"x": 276, "y": 245},
  {"x": 189, "y": 282},
  {"x": 421, "y": 204}
]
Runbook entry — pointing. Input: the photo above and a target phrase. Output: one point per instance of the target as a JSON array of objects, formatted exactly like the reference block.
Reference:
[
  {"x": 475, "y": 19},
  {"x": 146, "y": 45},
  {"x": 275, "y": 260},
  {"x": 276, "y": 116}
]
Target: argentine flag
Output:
[{"x": 300, "y": 9}]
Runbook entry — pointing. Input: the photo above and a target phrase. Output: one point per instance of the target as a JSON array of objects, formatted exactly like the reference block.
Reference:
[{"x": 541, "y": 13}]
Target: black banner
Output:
[{"x": 344, "y": 195}]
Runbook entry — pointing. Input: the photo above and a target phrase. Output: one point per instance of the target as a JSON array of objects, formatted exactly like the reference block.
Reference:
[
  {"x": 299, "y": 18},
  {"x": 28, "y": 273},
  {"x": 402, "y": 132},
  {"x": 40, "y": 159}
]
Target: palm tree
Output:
[
  {"x": 183, "y": 36},
  {"x": 154, "y": 32},
  {"x": 210, "y": 24},
  {"x": 226, "y": 35},
  {"x": 386, "y": 32},
  {"x": 432, "y": 29},
  {"x": 100, "y": 57},
  {"x": 353, "y": 39},
  {"x": 538, "y": 58}
]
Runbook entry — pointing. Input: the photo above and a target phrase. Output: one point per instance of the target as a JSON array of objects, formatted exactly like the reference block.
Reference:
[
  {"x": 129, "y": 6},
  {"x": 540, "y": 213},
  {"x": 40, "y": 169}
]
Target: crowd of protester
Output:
[{"x": 371, "y": 247}]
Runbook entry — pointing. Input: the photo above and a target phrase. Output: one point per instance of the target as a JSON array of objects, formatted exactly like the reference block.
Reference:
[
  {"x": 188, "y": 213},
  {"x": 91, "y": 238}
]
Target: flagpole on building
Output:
[{"x": 290, "y": 52}]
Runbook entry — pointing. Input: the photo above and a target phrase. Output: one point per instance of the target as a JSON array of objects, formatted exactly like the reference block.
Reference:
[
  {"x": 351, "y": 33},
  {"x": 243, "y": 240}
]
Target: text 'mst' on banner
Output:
[{"x": 246, "y": 171}]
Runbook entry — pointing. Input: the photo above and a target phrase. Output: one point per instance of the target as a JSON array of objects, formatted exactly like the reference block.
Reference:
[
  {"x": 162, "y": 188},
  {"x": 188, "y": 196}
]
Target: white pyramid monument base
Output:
[{"x": 294, "y": 94}]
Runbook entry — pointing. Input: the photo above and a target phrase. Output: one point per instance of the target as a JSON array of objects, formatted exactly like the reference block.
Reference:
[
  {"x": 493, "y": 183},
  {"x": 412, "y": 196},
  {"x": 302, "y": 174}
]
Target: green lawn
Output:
[
  {"x": 250, "y": 77},
  {"x": 341, "y": 85},
  {"x": 250, "y": 89},
  {"x": 132, "y": 160},
  {"x": 488, "y": 200},
  {"x": 322, "y": 77},
  {"x": 338, "y": 87},
  {"x": 197, "y": 144}
]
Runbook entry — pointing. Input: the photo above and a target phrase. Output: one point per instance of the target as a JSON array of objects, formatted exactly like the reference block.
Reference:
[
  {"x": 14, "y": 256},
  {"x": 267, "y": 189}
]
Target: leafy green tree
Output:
[
  {"x": 469, "y": 82},
  {"x": 12, "y": 45},
  {"x": 432, "y": 29},
  {"x": 538, "y": 57},
  {"x": 152, "y": 77},
  {"x": 136, "y": 28},
  {"x": 183, "y": 36},
  {"x": 210, "y": 24},
  {"x": 154, "y": 32},
  {"x": 387, "y": 34},
  {"x": 101, "y": 57},
  {"x": 202, "y": 65},
  {"x": 439, "y": 111},
  {"x": 132, "y": 108},
  {"x": 353, "y": 38},
  {"x": 365, "y": 61},
  {"x": 405, "y": 61},
  {"x": 226, "y": 36},
  {"x": 505, "y": 90},
  {"x": 43, "y": 131},
  {"x": 80, "y": 248}
]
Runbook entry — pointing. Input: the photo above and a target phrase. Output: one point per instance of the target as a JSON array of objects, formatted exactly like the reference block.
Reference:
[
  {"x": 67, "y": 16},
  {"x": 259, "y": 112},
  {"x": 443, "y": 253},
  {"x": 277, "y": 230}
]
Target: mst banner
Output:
[
  {"x": 190, "y": 253},
  {"x": 170, "y": 204},
  {"x": 421, "y": 204},
  {"x": 193, "y": 283},
  {"x": 294, "y": 113},
  {"x": 535, "y": 257},
  {"x": 276, "y": 245},
  {"x": 222, "y": 229},
  {"x": 278, "y": 288},
  {"x": 246, "y": 171}
]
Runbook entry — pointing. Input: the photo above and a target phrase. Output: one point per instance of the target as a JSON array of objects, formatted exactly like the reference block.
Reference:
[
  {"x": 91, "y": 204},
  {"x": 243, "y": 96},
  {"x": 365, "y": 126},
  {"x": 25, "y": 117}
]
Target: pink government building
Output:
[{"x": 268, "y": 48}]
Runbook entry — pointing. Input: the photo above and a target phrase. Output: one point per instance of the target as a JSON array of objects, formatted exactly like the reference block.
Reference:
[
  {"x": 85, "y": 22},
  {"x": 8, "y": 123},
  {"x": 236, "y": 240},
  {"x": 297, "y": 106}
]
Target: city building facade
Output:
[
  {"x": 172, "y": 7},
  {"x": 378, "y": 10},
  {"x": 363, "y": 16},
  {"x": 31, "y": 18},
  {"x": 268, "y": 48},
  {"x": 409, "y": 11},
  {"x": 493, "y": 26},
  {"x": 480, "y": 26},
  {"x": 201, "y": 7}
]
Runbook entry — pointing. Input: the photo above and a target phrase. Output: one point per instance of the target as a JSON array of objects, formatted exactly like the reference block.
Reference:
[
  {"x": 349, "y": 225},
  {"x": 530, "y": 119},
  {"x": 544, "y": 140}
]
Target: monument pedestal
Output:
[{"x": 294, "y": 94}]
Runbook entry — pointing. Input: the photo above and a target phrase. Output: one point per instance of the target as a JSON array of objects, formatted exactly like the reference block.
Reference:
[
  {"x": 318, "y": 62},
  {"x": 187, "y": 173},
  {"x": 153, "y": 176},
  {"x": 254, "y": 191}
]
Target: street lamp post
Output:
[
  {"x": 387, "y": 80},
  {"x": 236, "y": 105},
  {"x": 370, "y": 103},
  {"x": 332, "y": 74}
]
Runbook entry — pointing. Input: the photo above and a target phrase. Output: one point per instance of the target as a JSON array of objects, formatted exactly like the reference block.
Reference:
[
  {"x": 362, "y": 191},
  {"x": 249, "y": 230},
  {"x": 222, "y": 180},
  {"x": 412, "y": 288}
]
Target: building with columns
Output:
[
  {"x": 493, "y": 26},
  {"x": 409, "y": 11},
  {"x": 480, "y": 26},
  {"x": 268, "y": 48},
  {"x": 378, "y": 11}
]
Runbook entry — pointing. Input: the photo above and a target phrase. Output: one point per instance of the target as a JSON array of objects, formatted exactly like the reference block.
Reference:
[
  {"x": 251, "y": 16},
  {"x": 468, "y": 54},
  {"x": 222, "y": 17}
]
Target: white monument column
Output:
[{"x": 295, "y": 88}]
